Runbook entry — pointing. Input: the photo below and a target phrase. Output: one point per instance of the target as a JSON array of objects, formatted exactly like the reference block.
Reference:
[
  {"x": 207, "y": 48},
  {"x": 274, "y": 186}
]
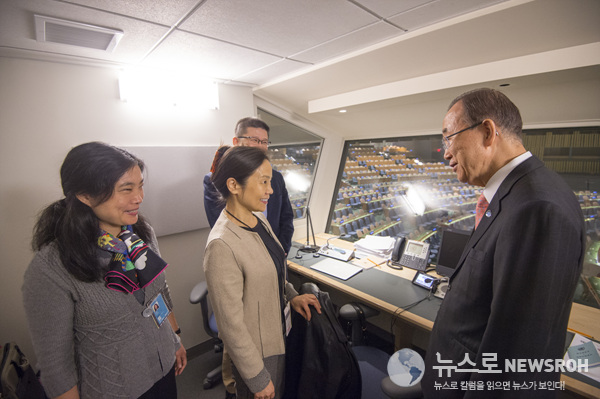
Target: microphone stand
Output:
[{"x": 307, "y": 247}]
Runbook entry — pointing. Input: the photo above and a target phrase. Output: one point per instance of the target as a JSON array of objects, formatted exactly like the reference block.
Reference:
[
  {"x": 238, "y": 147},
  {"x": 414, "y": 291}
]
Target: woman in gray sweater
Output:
[
  {"x": 95, "y": 294},
  {"x": 245, "y": 269}
]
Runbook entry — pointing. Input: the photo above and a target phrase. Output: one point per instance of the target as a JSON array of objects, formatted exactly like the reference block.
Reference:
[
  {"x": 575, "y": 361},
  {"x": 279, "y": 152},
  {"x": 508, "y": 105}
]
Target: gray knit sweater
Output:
[{"x": 88, "y": 335}]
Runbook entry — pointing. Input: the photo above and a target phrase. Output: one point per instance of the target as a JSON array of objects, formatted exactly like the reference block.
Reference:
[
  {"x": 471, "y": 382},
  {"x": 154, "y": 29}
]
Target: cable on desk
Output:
[{"x": 405, "y": 308}]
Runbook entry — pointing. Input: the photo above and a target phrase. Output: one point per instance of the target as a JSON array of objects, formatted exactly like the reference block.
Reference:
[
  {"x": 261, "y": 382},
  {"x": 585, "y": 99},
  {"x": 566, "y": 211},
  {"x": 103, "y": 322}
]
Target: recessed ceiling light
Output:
[{"x": 342, "y": 111}]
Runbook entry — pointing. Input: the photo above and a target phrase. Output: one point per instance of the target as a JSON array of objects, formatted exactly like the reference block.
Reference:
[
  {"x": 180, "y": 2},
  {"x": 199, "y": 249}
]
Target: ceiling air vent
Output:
[{"x": 54, "y": 30}]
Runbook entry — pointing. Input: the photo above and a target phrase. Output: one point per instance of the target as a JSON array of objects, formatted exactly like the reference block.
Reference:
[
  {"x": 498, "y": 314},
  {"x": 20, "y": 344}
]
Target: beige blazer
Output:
[{"x": 244, "y": 293}]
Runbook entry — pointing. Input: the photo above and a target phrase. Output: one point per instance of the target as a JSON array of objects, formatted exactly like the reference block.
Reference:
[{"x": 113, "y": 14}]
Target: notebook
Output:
[{"x": 335, "y": 268}]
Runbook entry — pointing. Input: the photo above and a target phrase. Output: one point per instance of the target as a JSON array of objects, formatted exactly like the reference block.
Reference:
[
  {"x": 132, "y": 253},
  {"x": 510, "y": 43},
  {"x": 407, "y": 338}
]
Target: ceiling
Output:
[{"x": 314, "y": 57}]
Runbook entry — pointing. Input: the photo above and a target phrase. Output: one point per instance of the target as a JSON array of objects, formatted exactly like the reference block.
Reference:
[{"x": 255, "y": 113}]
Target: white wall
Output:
[{"x": 46, "y": 109}]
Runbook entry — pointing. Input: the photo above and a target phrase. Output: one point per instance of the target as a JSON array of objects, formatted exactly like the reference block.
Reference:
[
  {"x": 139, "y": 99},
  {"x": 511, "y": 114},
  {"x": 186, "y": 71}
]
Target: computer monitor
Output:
[{"x": 451, "y": 248}]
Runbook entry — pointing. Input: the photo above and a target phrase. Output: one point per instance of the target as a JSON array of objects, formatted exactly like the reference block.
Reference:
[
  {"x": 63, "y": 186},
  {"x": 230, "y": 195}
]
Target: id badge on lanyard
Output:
[{"x": 158, "y": 309}]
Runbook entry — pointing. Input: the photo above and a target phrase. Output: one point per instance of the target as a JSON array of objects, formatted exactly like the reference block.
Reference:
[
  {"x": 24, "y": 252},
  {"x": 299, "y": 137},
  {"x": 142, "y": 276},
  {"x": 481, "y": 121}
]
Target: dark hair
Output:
[
  {"x": 92, "y": 169},
  {"x": 245, "y": 123},
  {"x": 240, "y": 163},
  {"x": 480, "y": 104}
]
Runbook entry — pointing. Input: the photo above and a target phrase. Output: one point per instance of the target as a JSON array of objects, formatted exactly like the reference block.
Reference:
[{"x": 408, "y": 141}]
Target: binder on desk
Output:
[{"x": 335, "y": 268}]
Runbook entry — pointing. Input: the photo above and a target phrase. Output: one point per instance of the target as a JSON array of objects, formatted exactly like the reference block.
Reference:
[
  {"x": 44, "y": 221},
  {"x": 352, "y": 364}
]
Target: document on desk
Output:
[
  {"x": 369, "y": 262},
  {"x": 336, "y": 268},
  {"x": 578, "y": 340}
]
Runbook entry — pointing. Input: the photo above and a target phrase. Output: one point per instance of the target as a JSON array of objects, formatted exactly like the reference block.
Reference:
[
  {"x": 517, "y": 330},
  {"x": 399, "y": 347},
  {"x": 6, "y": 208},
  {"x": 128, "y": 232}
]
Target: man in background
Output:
[
  {"x": 510, "y": 296},
  {"x": 253, "y": 132}
]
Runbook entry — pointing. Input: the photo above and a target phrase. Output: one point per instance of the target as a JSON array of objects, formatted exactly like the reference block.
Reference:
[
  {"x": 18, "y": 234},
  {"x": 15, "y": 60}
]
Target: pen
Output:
[{"x": 580, "y": 333}]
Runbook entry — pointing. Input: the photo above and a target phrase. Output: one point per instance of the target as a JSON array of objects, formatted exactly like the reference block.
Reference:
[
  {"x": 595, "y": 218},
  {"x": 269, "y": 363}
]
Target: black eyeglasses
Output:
[
  {"x": 255, "y": 140},
  {"x": 446, "y": 143}
]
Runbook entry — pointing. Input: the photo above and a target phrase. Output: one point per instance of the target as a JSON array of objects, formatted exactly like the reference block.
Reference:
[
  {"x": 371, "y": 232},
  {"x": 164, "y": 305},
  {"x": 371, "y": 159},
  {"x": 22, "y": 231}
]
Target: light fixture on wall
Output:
[
  {"x": 168, "y": 88},
  {"x": 54, "y": 30}
]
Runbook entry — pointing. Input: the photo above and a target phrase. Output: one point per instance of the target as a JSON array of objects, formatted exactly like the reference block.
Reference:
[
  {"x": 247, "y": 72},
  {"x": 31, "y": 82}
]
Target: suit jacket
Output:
[
  {"x": 279, "y": 209},
  {"x": 512, "y": 291}
]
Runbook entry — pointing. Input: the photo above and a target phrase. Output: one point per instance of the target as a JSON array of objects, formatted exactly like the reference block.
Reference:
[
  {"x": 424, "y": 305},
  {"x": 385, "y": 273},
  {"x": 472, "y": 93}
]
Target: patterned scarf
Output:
[{"x": 133, "y": 264}]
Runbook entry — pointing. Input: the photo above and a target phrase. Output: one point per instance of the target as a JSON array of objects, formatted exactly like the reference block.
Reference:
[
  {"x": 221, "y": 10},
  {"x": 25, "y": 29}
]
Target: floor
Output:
[{"x": 189, "y": 383}]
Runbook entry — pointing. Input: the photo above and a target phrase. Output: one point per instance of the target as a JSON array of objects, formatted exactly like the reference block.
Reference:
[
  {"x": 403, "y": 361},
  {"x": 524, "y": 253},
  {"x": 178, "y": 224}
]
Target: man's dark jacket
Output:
[
  {"x": 319, "y": 362},
  {"x": 279, "y": 209},
  {"x": 511, "y": 293}
]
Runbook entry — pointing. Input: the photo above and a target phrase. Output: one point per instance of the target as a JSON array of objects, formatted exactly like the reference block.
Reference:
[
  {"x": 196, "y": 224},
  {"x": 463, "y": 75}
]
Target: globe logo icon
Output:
[{"x": 406, "y": 367}]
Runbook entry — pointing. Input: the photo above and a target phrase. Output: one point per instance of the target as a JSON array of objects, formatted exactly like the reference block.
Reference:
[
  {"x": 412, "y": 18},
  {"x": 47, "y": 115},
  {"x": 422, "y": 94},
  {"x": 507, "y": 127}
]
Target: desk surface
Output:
[{"x": 375, "y": 288}]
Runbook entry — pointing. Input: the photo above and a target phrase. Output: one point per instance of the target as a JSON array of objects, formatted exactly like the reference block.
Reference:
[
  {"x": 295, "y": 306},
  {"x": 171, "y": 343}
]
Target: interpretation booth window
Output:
[
  {"x": 294, "y": 152},
  {"x": 404, "y": 187}
]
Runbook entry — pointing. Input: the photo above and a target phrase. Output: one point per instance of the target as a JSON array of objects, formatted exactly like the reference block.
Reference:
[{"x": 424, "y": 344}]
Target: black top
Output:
[{"x": 277, "y": 255}]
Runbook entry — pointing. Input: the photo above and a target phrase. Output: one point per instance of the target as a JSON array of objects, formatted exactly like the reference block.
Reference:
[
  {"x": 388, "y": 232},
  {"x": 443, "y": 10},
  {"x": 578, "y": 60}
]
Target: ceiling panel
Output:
[
  {"x": 165, "y": 12},
  {"x": 364, "y": 37},
  {"x": 207, "y": 57},
  {"x": 436, "y": 11},
  {"x": 388, "y": 8},
  {"x": 277, "y": 27},
  {"x": 265, "y": 74}
]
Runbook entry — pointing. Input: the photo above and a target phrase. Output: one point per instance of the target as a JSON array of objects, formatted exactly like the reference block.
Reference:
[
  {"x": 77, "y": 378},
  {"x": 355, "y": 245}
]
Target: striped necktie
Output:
[{"x": 480, "y": 209}]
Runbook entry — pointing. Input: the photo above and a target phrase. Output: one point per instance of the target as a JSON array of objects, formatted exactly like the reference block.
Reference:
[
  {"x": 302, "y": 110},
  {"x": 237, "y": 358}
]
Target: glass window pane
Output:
[
  {"x": 404, "y": 187},
  {"x": 574, "y": 153},
  {"x": 294, "y": 152}
]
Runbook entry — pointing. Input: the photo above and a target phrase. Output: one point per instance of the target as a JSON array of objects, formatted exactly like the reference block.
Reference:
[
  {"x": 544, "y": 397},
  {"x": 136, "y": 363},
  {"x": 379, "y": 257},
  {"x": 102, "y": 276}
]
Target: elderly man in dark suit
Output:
[{"x": 510, "y": 296}]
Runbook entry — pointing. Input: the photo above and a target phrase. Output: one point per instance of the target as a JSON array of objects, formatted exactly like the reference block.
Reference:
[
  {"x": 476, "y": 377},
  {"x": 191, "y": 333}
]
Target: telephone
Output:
[{"x": 410, "y": 253}]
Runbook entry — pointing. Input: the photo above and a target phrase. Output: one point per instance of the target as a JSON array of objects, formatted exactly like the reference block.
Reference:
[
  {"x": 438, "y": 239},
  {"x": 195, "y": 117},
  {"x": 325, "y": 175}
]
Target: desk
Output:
[{"x": 376, "y": 288}]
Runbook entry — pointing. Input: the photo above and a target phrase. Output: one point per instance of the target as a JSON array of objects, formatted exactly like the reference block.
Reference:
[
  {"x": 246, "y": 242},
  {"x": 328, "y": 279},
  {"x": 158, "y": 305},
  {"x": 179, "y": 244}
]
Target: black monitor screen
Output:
[{"x": 451, "y": 248}]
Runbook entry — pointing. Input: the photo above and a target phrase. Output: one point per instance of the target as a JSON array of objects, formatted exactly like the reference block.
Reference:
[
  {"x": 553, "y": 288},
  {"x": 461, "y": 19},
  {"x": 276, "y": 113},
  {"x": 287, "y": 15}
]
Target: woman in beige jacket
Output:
[{"x": 245, "y": 269}]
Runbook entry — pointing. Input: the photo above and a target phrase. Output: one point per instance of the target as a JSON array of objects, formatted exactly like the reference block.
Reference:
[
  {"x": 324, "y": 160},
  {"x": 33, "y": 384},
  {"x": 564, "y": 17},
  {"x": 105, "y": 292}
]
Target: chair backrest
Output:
[{"x": 199, "y": 295}]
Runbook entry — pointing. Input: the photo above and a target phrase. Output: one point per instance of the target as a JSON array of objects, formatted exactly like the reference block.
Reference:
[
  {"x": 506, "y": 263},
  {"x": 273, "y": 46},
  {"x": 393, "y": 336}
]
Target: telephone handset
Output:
[{"x": 410, "y": 253}]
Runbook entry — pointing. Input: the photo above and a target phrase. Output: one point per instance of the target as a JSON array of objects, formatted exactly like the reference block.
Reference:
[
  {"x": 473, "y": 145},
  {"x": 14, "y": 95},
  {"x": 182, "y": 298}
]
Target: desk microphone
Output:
[{"x": 326, "y": 246}]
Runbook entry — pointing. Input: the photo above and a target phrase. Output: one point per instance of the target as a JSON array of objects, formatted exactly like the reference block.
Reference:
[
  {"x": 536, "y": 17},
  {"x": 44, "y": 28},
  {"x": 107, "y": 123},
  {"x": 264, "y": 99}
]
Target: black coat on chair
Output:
[{"x": 319, "y": 361}]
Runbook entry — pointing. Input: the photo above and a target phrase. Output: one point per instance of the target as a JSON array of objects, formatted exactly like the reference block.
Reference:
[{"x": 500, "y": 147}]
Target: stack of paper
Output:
[{"x": 374, "y": 245}]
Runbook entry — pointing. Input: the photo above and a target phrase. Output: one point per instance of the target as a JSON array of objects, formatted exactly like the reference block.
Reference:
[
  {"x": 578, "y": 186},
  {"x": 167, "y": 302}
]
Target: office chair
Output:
[
  {"x": 199, "y": 295},
  {"x": 373, "y": 361}
]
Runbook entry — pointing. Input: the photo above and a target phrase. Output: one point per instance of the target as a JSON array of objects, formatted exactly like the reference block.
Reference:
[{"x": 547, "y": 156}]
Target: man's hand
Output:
[{"x": 301, "y": 304}]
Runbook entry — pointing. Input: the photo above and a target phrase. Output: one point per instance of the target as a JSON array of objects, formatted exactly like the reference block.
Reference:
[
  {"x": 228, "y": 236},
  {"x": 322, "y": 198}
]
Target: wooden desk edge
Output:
[{"x": 580, "y": 387}]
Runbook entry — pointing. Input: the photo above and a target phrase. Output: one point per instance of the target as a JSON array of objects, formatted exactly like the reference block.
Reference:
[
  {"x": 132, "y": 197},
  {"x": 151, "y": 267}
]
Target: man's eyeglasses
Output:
[
  {"x": 255, "y": 140},
  {"x": 446, "y": 143}
]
